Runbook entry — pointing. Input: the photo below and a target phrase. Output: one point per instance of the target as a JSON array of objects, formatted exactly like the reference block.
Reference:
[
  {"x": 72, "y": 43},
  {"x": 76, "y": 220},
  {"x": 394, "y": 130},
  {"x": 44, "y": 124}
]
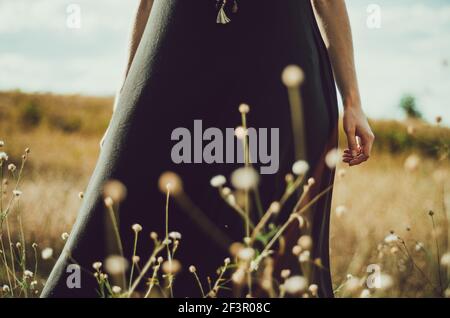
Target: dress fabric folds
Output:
[{"x": 188, "y": 67}]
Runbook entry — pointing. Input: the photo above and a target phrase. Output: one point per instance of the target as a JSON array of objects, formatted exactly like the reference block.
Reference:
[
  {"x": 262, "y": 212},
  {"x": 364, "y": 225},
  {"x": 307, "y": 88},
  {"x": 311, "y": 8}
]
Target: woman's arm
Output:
[
  {"x": 142, "y": 15},
  {"x": 140, "y": 21},
  {"x": 335, "y": 27}
]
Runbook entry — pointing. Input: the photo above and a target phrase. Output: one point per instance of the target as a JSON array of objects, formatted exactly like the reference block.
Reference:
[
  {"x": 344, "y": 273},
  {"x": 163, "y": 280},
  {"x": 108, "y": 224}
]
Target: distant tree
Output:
[{"x": 409, "y": 106}]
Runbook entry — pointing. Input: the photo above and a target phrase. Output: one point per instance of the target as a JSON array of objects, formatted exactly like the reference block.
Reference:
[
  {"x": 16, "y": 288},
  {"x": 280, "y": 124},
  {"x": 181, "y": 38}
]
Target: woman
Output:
[{"x": 198, "y": 60}]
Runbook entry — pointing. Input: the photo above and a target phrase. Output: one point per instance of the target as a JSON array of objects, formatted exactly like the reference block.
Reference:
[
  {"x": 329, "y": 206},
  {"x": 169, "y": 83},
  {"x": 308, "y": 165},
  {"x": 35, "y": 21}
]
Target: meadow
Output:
[{"x": 392, "y": 212}]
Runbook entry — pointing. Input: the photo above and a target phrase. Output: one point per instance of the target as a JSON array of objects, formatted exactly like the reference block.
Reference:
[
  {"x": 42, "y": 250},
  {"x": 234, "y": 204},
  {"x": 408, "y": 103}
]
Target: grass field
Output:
[{"x": 406, "y": 178}]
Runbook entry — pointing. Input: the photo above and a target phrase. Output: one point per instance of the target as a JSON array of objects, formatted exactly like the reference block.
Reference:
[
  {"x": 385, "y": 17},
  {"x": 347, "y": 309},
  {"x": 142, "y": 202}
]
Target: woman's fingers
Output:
[
  {"x": 367, "y": 143},
  {"x": 358, "y": 160},
  {"x": 351, "y": 141},
  {"x": 360, "y": 157}
]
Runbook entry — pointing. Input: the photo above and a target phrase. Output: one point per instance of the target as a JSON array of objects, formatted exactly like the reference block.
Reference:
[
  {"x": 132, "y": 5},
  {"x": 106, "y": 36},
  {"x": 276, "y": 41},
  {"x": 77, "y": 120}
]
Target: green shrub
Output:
[
  {"x": 65, "y": 124},
  {"x": 30, "y": 115}
]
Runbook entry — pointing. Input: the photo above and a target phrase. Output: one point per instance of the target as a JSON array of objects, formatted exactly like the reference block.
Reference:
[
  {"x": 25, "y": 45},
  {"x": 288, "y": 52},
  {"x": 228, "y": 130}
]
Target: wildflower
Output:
[
  {"x": 33, "y": 284},
  {"x": 34, "y": 245},
  {"x": 12, "y": 167},
  {"x": 318, "y": 262},
  {"x": 332, "y": 158},
  {"x": 6, "y": 289},
  {"x": 18, "y": 245},
  {"x": 116, "y": 190},
  {"x": 391, "y": 238},
  {"x": 135, "y": 259},
  {"x": 80, "y": 195},
  {"x": 116, "y": 290},
  {"x": 311, "y": 182},
  {"x": 412, "y": 163},
  {"x": 235, "y": 248},
  {"x": 394, "y": 249},
  {"x": 244, "y": 109},
  {"x": 136, "y": 228},
  {"x": 285, "y": 273},
  {"x": 313, "y": 289},
  {"x": 176, "y": 236},
  {"x": 304, "y": 256},
  {"x": 300, "y": 167},
  {"x": 340, "y": 210},
  {"x": 3, "y": 156},
  {"x": 245, "y": 178},
  {"x": 295, "y": 284},
  {"x": 47, "y": 253},
  {"x": 154, "y": 236},
  {"x": 171, "y": 267},
  {"x": 28, "y": 274},
  {"x": 352, "y": 284},
  {"x": 305, "y": 242},
  {"x": 296, "y": 250},
  {"x": 231, "y": 199},
  {"x": 365, "y": 293},
  {"x": 17, "y": 193},
  {"x": 109, "y": 202},
  {"x": 384, "y": 281},
  {"x": 64, "y": 236},
  {"x": 240, "y": 133},
  {"x": 160, "y": 260},
  {"x": 226, "y": 191},
  {"x": 289, "y": 178},
  {"x": 218, "y": 181},
  {"x": 446, "y": 293},
  {"x": 301, "y": 220},
  {"x": 419, "y": 246},
  {"x": 116, "y": 265},
  {"x": 275, "y": 207},
  {"x": 266, "y": 284},
  {"x": 445, "y": 259},
  {"x": 171, "y": 179},
  {"x": 97, "y": 265},
  {"x": 293, "y": 76},
  {"x": 246, "y": 254},
  {"x": 192, "y": 269},
  {"x": 238, "y": 276},
  {"x": 227, "y": 261},
  {"x": 349, "y": 276}
]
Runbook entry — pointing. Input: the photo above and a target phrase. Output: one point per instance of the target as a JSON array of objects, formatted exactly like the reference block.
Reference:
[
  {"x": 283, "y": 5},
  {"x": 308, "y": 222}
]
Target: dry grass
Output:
[{"x": 380, "y": 196}]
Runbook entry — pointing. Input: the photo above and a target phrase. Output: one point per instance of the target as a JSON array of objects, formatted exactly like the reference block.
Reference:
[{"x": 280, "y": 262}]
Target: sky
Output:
[{"x": 401, "y": 47}]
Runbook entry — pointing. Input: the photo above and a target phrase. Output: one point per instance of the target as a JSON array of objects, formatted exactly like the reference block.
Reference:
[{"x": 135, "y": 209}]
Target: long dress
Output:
[{"x": 188, "y": 68}]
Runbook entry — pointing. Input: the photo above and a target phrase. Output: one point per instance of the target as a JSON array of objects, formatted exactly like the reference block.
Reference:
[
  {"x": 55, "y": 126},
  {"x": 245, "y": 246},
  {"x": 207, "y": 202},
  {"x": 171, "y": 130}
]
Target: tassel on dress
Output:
[{"x": 222, "y": 17}]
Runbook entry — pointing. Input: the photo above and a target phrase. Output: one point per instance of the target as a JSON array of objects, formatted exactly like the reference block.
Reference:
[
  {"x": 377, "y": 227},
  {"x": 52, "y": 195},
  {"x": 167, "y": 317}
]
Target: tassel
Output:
[
  {"x": 222, "y": 16},
  {"x": 235, "y": 7}
]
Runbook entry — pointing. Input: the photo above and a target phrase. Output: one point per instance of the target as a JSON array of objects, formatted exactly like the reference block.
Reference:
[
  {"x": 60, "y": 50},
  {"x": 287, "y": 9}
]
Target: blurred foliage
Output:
[
  {"x": 30, "y": 115},
  {"x": 85, "y": 117},
  {"x": 409, "y": 105}
]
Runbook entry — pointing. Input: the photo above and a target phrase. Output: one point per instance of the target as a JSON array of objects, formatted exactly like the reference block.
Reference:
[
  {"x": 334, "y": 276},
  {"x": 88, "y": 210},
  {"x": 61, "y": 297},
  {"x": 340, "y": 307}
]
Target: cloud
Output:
[
  {"x": 39, "y": 52},
  {"x": 404, "y": 56}
]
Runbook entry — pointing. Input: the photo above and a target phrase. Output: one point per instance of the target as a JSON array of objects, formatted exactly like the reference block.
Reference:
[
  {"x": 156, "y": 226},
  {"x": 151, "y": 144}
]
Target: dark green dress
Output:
[{"x": 188, "y": 67}]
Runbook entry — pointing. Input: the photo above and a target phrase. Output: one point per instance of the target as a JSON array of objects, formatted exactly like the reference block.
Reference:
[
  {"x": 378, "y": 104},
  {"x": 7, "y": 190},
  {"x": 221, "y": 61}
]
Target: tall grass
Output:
[{"x": 390, "y": 218}]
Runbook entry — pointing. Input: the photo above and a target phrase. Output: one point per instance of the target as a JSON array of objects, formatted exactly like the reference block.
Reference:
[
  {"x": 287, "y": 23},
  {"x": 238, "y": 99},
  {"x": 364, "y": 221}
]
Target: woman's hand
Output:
[
  {"x": 333, "y": 17},
  {"x": 360, "y": 137}
]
